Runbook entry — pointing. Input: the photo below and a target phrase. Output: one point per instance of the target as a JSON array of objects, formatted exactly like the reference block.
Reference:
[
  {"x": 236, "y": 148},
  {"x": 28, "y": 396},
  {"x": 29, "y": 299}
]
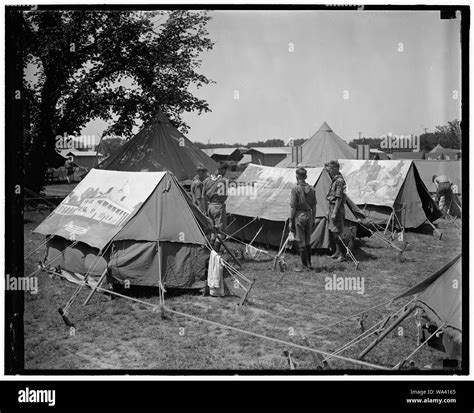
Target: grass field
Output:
[{"x": 119, "y": 334}]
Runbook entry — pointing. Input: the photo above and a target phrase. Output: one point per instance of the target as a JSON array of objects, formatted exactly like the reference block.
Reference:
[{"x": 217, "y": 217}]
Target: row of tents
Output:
[
  {"x": 159, "y": 146},
  {"x": 140, "y": 213},
  {"x": 131, "y": 218},
  {"x": 378, "y": 190},
  {"x": 94, "y": 215}
]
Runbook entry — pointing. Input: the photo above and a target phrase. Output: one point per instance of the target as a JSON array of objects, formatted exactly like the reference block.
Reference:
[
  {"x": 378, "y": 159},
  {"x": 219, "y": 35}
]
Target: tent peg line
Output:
[
  {"x": 64, "y": 311},
  {"x": 44, "y": 264},
  {"x": 245, "y": 226},
  {"x": 401, "y": 363},
  {"x": 275, "y": 340},
  {"x": 349, "y": 253},
  {"x": 408, "y": 310}
]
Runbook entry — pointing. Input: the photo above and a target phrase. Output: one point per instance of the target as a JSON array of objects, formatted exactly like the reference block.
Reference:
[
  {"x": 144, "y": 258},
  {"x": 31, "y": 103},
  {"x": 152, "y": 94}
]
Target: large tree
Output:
[{"x": 115, "y": 66}]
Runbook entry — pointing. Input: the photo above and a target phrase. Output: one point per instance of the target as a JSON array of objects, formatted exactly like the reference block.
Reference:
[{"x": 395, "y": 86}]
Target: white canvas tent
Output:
[
  {"x": 384, "y": 189},
  {"x": 262, "y": 196},
  {"x": 139, "y": 226}
]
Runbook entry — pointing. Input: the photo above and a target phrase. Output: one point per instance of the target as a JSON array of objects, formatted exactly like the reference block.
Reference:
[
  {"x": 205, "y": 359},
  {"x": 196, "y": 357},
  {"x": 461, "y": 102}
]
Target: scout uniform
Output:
[
  {"x": 197, "y": 190},
  {"x": 337, "y": 190},
  {"x": 302, "y": 205},
  {"x": 303, "y": 199},
  {"x": 215, "y": 194}
]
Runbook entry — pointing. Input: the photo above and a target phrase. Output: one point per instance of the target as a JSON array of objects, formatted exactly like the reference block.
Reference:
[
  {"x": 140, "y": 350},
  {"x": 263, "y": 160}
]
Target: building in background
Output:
[
  {"x": 269, "y": 156},
  {"x": 408, "y": 155},
  {"x": 85, "y": 159}
]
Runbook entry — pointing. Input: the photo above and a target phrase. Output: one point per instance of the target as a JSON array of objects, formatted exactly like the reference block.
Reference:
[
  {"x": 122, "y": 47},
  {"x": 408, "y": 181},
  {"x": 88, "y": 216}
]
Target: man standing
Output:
[
  {"x": 197, "y": 188},
  {"x": 302, "y": 216},
  {"x": 336, "y": 199},
  {"x": 215, "y": 195},
  {"x": 444, "y": 193},
  {"x": 69, "y": 165}
]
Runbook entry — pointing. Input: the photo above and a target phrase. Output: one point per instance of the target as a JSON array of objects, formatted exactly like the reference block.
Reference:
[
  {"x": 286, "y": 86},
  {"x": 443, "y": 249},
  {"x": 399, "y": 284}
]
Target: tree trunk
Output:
[{"x": 42, "y": 151}]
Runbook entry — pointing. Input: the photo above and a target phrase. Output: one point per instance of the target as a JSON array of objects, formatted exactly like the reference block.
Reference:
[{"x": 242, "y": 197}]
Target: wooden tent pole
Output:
[
  {"x": 388, "y": 222},
  {"x": 94, "y": 289},
  {"x": 392, "y": 326},
  {"x": 227, "y": 249}
]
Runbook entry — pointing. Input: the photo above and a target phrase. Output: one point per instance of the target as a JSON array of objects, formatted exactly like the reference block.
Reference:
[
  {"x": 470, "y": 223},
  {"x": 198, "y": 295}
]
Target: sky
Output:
[{"x": 369, "y": 72}]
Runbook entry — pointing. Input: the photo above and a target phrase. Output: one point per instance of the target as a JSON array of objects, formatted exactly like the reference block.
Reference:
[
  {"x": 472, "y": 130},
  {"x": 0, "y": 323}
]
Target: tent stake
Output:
[
  {"x": 349, "y": 253},
  {"x": 440, "y": 234},
  {"x": 244, "y": 298},
  {"x": 392, "y": 326},
  {"x": 319, "y": 361}
]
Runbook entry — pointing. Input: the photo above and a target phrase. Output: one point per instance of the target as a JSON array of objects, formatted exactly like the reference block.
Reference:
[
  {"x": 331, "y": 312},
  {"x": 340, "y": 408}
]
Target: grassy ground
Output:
[{"x": 119, "y": 334}]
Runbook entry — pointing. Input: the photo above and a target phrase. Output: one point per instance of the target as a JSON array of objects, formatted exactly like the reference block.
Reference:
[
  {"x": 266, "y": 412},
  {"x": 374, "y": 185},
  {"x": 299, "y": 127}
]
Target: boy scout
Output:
[
  {"x": 336, "y": 199},
  {"x": 215, "y": 195},
  {"x": 302, "y": 216},
  {"x": 197, "y": 188}
]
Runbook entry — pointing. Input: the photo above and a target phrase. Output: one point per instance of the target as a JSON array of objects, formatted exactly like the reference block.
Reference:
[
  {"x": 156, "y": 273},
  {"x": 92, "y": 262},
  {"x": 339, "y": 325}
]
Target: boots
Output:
[
  {"x": 304, "y": 261},
  {"x": 308, "y": 256},
  {"x": 339, "y": 255}
]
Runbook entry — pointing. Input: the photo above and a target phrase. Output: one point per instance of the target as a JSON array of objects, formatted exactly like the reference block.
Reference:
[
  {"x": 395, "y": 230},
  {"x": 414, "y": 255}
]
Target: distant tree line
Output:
[
  {"x": 448, "y": 136},
  {"x": 257, "y": 144}
]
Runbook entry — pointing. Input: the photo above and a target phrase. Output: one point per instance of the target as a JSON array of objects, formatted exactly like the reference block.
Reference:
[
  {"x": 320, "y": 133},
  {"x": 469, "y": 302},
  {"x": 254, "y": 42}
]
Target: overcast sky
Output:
[{"x": 398, "y": 71}]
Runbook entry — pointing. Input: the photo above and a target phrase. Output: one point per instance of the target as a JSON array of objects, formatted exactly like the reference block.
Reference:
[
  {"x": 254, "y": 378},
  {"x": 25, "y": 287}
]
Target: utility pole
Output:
[{"x": 425, "y": 130}]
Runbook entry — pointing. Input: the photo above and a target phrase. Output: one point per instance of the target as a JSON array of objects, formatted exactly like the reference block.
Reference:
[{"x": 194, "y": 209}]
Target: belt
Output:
[
  {"x": 303, "y": 210},
  {"x": 217, "y": 203}
]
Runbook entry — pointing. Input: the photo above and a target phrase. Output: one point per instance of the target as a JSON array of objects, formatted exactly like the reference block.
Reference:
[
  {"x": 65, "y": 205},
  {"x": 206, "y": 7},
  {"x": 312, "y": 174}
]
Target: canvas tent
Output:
[
  {"x": 159, "y": 146},
  {"x": 262, "y": 195},
  {"x": 452, "y": 169},
  {"x": 141, "y": 226},
  {"x": 381, "y": 188},
  {"x": 440, "y": 297},
  {"x": 441, "y": 153},
  {"x": 322, "y": 147}
]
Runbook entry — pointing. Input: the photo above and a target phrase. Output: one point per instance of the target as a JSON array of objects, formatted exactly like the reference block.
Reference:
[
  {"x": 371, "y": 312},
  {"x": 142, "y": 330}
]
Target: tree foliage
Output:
[
  {"x": 448, "y": 136},
  {"x": 267, "y": 143},
  {"x": 110, "y": 145},
  {"x": 372, "y": 142},
  {"x": 115, "y": 66}
]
